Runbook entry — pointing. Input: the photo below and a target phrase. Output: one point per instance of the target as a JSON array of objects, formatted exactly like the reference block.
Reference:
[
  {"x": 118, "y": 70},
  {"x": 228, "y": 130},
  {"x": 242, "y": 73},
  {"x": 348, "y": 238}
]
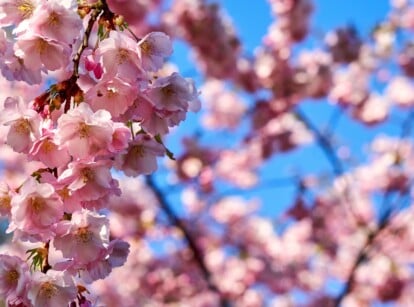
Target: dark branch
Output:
[
  {"x": 336, "y": 164},
  {"x": 362, "y": 256},
  {"x": 85, "y": 41},
  {"x": 45, "y": 265},
  {"x": 177, "y": 222},
  {"x": 324, "y": 143}
]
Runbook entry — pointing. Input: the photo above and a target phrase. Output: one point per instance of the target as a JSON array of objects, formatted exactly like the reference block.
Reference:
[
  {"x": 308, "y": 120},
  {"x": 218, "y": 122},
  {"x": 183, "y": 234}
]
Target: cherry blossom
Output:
[
  {"x": 13, "y": 12},
  {"x": 35, "y": 210},
  {"x": 84, "y": 239},
  {"x": 38, "y": 52},
  {"x": 54, "y": 20},
  {"x": 290, "y": 187},
  {"x": 140, "y": 157},
  {"x": 84, "y": 133},
  {"x": 51, "y": 289},
  {"x": 120, "y": 56},
  {"x": 14, "y": 279},
  {"x": 24, "y": 124},
  {"x": 153, "y": 49}
]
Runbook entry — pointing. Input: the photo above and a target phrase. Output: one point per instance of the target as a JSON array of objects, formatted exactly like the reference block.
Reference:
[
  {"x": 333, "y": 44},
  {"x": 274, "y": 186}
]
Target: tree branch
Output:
[
  {"x": 384, "y": 220},
  {"x": 177, "y": 222},
  {"x": 332, "y": 157},
  {"x": 324, "y": 143},
  {"x": 85, "y": 41},
  {"x": 362, "y": 255}
]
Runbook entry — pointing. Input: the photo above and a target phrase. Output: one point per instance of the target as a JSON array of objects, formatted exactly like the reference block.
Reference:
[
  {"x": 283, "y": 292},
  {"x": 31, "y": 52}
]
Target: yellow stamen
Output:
[
  {"x": 64, "y": 193},
  {"x": 25, "y": 8},
  {"x": 12, "y": 277},
  {"x": 123, "y": 56},
  {"x": 48, "y": 146},
  {"x": 22, "y": 126},
  {"x": 37, "y": 204},
  {"x": 5, "y": 203},
  {"x": 84, "y": 235},
  {"x": 87, "y": 175},
  {"x": 53, "y": 19},
  {"x": 41, "y": 45},
  {"x": 146, "y": 47},
  {"x": 83, "y": 130},
  {"x": 47, "y": 289}
]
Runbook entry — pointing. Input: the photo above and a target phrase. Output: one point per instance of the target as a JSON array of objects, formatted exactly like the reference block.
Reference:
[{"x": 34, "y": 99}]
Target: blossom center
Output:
[
  {"x": 25, "y": 8},
  {"x": 123, "y": 56},
  {"x": 87, "y": 174},
  {"x": 168, "y": 90},
  {"x": 37, "y": 204},
  {"x": 53, "y": 19},
  {"x": 22, "y": 126},
  {"x": 64, "y": 193},
  {"x": 83, "y": 130},
  {"x": 139, "y": 151},
  {"x": 12, "y": 277},
  {"x": 5, "y": 203},
  {"x": 48, "y": 290},
  {"x": 84, "y": 235},
  {"x": 41, "y": 45},
  {"x": 48, "y": 146},
  {"x": 146, "y": 48},
  {"x": 111, "y": 92}
]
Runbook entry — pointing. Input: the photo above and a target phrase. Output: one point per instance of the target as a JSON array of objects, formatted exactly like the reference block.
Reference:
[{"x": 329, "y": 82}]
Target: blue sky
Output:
[{"x": 251, "y": 20}]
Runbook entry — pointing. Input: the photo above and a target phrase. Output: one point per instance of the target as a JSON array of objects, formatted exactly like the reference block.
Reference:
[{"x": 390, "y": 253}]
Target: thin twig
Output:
[
  {"x": 85, "y": 41},
  {"x": 362, "y": 255},
  {"x": 324, "y": 143},
  {"x": 384, "y": 220},
  {"x": 45, "y": 265},
  {"x": 359, "y": 259},
  {"x": 133, "y": 34},
  {"x": 176, "y": 221},
  {"x": 336, "y": 164},
  {"x": 333, "y": 121}
]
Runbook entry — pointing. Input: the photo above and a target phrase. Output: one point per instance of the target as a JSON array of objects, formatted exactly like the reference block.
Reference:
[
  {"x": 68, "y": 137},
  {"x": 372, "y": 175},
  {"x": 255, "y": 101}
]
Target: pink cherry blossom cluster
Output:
[
  {"x": 106, "y": 108},
  {"x": 87, "y": 105},
  {"x": 347, "y": 237},
  {"x": 201, "y": 23}
]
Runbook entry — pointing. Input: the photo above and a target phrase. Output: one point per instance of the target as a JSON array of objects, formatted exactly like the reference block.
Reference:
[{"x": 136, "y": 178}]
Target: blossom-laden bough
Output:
[{"x": 88, "y": 120}]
